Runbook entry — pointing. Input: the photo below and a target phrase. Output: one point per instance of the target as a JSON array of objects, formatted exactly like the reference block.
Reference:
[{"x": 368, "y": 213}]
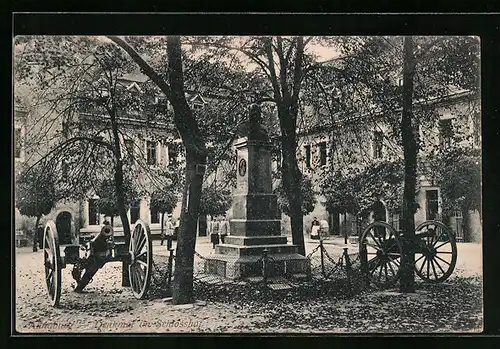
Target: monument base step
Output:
[
  {"x": 279, "y": 287},
  {"x": 236, "y": 267},
  {"x": 254, "y": 250},
  {"x": 255, "y": 240}
]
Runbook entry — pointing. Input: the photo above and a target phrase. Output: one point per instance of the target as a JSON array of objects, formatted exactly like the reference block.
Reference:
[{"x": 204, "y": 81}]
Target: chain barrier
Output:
[
  {"x": 313, "y": 251},
  {"x": 325, "y": 275}
]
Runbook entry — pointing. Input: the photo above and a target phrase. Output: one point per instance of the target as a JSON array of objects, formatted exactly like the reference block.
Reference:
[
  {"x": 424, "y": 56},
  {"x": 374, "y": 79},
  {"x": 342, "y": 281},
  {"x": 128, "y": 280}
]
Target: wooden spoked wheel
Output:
[
  {"x": 380, "y": 251},
  {"x": 141, "y": 259},
  {"x": 437, "y": 254},
  {"x": 52, "y": 262}
]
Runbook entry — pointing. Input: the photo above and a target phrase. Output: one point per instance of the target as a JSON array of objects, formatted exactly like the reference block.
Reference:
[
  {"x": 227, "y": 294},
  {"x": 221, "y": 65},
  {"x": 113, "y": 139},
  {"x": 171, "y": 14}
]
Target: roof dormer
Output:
[
  {"x": 197, "y": 99},
  {"x": 135, "y": 86}
]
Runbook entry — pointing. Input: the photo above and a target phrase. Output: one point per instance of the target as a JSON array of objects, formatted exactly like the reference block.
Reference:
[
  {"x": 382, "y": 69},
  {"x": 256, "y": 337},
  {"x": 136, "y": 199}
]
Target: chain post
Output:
[
  {"x": 322, "y": 251},
  {"x": 170, "y": 267},
  {"x": 348, "y": 268}
]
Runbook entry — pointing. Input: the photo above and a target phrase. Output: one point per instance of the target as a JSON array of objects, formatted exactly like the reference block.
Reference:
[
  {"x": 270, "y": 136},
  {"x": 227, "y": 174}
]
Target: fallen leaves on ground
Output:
[{"x": 453, "y": 306}]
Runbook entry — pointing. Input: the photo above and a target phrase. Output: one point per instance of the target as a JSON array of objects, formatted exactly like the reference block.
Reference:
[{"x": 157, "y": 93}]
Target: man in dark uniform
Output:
[{"x": 38, "y": 238}]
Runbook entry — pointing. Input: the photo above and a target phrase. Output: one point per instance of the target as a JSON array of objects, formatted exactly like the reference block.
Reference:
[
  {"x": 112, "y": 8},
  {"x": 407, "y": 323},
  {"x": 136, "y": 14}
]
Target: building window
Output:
[
  {"x": 172, "y": 154},
  {"x": 64, "y": 169},
  {"x": 446, "y": 133},
  {"x": 151, "y": 152},
  {"x": 161, "y": 100},
  {"x": 155, "y": 215},
  {"x": 277, "y": 159},
  {"x": 93, "y": 212},
  {"x": 459, "y": 226},
  {"x": 197, "y": 106},
  {"x": 431, "y": 197},
  {"x": 162, "y": 103},
  {"x": 129, "y": 147},
  {"x": 322, "y": 153},
  {"x": 18, "y": 142},
  {"x": 396, "y": 219},
  {"x": 308, "y": 155},
  {"x": 378, "y": 143}
]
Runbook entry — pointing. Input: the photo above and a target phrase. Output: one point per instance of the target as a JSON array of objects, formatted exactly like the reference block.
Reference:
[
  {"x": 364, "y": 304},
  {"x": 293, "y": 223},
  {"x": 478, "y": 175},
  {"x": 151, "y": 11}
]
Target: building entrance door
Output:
[
  {"x": 379, "y": 213},
  {"x": 63, "y": 225}
]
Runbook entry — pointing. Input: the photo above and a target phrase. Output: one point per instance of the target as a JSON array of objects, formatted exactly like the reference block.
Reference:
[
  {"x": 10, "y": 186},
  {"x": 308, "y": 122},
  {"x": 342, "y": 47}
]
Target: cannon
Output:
[
  {"x": 63, "y": 245},
  {"x": 381, "y": 250}
]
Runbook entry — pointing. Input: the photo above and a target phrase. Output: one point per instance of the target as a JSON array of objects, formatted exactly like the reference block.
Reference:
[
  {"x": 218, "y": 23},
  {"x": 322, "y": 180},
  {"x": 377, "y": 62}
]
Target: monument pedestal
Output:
[
  {"x": 256, "y": 225},
  {"x": 240, "y": 258}
]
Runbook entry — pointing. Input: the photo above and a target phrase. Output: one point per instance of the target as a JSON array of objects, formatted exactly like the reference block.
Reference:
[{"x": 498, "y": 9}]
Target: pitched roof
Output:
[{"x": 136, "y": 77}]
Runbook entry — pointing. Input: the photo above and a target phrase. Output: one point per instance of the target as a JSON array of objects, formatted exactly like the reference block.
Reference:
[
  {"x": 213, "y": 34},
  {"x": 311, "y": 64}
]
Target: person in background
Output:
[
  {"x": 40, "y": 235},
  {"x": 35, "y": 239},
  {"x": 214, "y": 233},
  {"x": 315, "y": 228},
  {"x": 177, "y": 224},
  {"x": 323, "y": 229},
  {"x": 168, "y": 231},
  {"x": 224, "y": 228}
]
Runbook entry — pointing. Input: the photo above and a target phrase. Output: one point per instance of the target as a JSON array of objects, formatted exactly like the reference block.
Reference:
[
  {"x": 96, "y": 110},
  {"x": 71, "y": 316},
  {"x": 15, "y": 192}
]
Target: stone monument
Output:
[{"x": 255, "y": 225}]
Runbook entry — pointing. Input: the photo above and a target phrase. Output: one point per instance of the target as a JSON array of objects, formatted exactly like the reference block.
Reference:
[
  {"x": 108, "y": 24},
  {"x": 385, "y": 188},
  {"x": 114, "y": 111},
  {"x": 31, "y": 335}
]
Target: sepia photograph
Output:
[{"x": 247, "y": 184}]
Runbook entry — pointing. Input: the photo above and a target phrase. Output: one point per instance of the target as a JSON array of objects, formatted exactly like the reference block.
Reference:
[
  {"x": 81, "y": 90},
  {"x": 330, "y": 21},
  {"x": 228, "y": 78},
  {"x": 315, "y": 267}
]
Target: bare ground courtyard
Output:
[{"x": 106, "y": 307}]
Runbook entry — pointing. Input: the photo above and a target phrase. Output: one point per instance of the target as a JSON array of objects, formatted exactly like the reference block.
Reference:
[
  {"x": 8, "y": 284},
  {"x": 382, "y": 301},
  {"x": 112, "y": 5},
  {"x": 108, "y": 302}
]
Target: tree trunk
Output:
[
  {"x": 123, "y": 216},
  {"x": 466, "y": 225},
  {"x": 120, "y": 193},
  {"x": 286, "y": 90},
  {"x": 112, "y": 221},
  {"x": 196, "y": 156},
  {"x": 407, "y": 278},
  {"x": 37, "y": 238},
  {"x": 292, "y": 179},
  {"x": 182, "y": 286},
  {"x": 162, "y": 223}
]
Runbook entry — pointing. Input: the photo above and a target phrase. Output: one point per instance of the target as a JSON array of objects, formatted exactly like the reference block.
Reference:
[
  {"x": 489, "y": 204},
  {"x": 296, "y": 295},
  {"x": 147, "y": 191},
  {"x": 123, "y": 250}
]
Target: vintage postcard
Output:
[{"x": 247, "y": 184}]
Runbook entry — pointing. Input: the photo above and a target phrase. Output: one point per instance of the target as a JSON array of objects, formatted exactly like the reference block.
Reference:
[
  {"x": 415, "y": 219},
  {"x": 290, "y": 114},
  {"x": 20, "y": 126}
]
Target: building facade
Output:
[
  {"x": 369, "y": 143},
  {"x": 321, "y": 147},
  {"x": 151, "y": 147}
]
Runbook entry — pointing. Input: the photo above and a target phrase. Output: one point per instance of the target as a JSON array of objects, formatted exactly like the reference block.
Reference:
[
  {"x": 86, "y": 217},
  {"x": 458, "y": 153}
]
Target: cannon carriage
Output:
[
  {"x": 64, "y": 245},
  {"x": 381, "y": 250}
]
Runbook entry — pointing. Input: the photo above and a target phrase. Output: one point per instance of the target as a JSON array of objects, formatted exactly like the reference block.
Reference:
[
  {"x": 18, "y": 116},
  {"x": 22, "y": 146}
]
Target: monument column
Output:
[{"x": 256, "y": 224}]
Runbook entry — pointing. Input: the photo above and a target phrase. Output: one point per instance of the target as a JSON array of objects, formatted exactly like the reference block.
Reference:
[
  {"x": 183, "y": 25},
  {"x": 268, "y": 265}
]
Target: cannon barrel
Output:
[{"x": 99, "y": 243}]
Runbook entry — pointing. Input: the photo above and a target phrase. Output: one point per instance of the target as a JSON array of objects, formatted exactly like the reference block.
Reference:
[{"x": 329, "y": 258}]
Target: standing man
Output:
[
  {"x": 214, "y": 233},
  {"x": 36, "y": 238},
  {"x": 169, "y": 231},
  {"x": 224, "y": 228},
  {"x": 40, "y": 235},
  {"x": 176, "y": 227}
]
